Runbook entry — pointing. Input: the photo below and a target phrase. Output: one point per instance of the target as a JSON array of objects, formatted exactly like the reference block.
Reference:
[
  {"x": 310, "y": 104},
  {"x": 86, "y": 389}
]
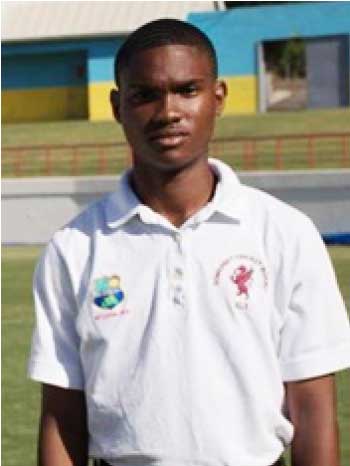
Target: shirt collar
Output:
[
  {"x": 123, "y": 204},
  {"x": 228, "y": 197}
]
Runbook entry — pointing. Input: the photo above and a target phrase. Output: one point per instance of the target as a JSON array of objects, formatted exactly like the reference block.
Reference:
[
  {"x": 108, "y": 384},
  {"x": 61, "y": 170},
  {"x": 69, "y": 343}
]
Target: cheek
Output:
[
  {"x": 133, "y": 124},
  {"x": 204, "y": 113},
  {"x": 134, "y": 118}
]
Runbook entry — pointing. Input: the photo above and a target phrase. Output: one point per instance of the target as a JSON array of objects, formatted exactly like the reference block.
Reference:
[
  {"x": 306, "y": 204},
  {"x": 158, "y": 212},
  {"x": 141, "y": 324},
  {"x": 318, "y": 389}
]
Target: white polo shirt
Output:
[{"x": 182, "y": 337}]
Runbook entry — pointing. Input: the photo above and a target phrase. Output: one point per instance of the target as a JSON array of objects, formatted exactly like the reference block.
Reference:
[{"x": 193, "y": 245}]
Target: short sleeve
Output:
[
  {"x": 315, "y": 338},
  {"x": 54, "y": 357}
]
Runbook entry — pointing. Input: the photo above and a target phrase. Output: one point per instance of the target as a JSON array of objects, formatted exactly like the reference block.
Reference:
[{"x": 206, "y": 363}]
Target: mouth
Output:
[{"x": 168, "y": 138}]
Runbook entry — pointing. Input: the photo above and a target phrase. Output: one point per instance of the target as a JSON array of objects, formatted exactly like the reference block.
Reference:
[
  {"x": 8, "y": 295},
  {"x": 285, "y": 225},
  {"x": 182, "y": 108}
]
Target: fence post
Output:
[
  {"x": 48, "y": 164},
  {"x": 278, "y": 154},
  {"x": 311, "y": 152},
  {"x": 75, "y": 161},
  {"x": 345, "y": 153},
  {"x": 102, "y": 161},
  {"x": 254, "y": 155},
  {"x": 248, "y": 155},
  {"x": 18, "y": 162}
]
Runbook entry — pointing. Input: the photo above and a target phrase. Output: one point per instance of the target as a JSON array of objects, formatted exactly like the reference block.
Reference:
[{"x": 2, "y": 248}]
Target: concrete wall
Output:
[{"x": 32, "y": 209}]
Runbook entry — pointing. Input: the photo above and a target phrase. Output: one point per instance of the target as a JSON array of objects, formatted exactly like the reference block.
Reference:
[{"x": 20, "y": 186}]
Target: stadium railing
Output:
[{"x": 283, "y": 152}]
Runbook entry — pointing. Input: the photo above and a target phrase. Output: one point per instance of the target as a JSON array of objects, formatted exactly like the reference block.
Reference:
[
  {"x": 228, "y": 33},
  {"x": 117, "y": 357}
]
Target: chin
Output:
[{"x": 170, "y": 160}]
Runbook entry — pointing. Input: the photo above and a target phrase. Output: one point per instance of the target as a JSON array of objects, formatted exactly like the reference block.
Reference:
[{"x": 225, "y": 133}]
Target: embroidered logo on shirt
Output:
[
  {"x": 241, "y": 277},
  {"x": 107, "y": 292}
]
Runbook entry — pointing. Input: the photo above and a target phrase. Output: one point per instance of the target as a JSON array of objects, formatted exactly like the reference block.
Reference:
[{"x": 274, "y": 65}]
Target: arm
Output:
[
  {"x": 63, "y": 437},
  {"x": 312, "y": 409}
]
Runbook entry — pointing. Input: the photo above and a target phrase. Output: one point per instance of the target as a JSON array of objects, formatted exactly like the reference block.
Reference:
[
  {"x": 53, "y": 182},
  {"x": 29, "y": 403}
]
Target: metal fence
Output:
[{"x": 283, "y": 152}]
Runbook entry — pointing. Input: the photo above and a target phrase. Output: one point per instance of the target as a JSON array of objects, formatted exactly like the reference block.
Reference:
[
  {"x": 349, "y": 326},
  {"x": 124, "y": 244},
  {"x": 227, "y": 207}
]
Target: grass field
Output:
[
  {"x": 328, "y": 152},
  {"x": 20, "y": 397},
  {"x": 70, "y": 132}
]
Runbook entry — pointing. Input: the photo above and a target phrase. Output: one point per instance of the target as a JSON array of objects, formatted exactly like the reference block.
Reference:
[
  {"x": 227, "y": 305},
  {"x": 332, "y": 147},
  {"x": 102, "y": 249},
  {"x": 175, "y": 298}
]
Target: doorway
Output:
[{"x": 301, "y": 73}]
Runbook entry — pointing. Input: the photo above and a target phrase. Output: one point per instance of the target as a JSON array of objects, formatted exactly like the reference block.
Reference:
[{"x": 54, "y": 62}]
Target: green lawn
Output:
[
  {"x": 20, "y": 397},
  {"x": 70, "y": 132},
  {"x": 328, "y": 152}
]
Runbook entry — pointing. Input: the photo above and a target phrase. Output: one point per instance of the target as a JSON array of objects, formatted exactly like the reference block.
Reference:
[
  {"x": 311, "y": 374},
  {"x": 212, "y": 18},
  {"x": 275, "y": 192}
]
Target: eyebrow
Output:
[{"x": 176, "y": 84}]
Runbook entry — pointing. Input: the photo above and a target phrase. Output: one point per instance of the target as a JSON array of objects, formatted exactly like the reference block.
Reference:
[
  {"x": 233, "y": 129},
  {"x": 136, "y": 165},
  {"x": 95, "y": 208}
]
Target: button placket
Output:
[{"x": 178, "y": 273}]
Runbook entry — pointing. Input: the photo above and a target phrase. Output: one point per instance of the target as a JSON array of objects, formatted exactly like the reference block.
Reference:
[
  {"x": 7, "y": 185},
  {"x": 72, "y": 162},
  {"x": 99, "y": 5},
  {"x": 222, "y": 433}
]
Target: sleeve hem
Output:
[
  {"x": 315, "y": 365},
  {"x": 54, "y": 374}
]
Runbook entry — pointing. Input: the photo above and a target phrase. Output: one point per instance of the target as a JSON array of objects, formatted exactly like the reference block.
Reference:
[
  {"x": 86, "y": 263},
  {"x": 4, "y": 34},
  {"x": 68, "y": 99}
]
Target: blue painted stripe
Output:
[
  {"x": 95, "y": 46},
  {"x": 27, "y": 69},
  {"x": 337, "y": 238},
  {"x": 45, "y": 70}
]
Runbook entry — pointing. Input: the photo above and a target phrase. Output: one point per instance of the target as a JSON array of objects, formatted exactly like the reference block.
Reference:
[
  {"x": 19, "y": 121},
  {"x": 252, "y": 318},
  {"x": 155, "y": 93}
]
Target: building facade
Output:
[
  {"x": 239, "y": 34},
  {"x": 56, "y": 68},
  {"x": 58, "y": 80}
]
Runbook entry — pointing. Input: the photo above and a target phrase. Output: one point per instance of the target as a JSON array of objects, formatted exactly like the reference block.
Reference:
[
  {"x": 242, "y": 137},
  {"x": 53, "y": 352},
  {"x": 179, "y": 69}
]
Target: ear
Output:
[
  {"x": 220, "y": 95},
  {"x": 115, "y": 103}
]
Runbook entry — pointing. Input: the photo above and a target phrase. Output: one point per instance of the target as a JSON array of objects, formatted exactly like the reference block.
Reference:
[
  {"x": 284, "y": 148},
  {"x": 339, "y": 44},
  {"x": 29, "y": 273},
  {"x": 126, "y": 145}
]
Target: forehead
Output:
[{"x": 167, "y": 62}]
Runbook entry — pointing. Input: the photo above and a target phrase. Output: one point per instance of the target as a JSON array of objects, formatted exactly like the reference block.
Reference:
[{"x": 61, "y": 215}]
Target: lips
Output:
[{"x": 169, "y": 138}]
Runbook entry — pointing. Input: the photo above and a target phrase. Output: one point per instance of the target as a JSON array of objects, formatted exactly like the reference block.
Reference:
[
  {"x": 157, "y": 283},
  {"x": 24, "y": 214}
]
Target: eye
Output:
[
  {"x": 189, "y": 90},
  {"x": 142, "y": 96}
]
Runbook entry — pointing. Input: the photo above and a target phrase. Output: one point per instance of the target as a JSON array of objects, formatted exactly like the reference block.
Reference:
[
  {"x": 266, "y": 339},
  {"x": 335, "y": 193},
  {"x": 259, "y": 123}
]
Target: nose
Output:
[{"x": 168, "y": 110}]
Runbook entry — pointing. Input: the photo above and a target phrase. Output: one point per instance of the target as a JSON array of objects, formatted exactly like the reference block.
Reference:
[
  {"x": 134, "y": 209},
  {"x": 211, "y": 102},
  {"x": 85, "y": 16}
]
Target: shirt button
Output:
[
  {"x": 177, "y": 300},
  {"x": 178, "y": 296},
  {"x": 178, "y": 273}
]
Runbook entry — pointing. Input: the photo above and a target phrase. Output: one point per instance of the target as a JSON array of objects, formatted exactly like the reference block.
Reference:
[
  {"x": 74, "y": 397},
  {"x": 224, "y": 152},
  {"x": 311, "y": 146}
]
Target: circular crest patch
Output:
[
  {"x": 107, "y": 297},
  {"x": 242, "y": 276}
]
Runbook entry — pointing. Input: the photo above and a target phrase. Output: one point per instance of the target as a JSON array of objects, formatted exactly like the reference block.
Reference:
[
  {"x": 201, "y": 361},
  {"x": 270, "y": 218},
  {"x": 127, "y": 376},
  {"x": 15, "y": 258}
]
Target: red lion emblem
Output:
[{"x": 241, "y": 277}]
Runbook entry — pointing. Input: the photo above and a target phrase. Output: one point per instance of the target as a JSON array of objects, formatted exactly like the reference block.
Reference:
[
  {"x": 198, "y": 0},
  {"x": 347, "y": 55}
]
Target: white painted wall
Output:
[{"x": 34, "y": 208}]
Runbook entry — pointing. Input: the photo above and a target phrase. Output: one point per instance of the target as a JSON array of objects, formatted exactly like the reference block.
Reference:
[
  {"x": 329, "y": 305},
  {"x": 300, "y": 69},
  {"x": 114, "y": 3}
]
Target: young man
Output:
[{"x": 185, "y": 319}]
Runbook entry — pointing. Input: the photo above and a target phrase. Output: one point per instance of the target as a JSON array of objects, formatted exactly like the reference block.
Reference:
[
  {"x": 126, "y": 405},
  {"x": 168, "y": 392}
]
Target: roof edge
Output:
[{"x": 65, "y": 37}]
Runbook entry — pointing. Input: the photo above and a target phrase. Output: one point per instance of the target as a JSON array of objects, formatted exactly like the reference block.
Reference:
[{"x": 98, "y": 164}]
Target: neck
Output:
[{"x": 177, "y": 195}]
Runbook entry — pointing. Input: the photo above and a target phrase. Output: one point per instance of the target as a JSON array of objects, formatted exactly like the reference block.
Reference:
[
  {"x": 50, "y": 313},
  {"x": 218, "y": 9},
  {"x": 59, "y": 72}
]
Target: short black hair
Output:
[{"x": 160, "y": 32}]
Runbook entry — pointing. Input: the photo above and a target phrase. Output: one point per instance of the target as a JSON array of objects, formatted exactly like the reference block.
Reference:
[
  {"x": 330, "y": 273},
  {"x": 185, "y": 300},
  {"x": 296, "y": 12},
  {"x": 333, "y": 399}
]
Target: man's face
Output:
[{"x": 167, "y": 103}]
